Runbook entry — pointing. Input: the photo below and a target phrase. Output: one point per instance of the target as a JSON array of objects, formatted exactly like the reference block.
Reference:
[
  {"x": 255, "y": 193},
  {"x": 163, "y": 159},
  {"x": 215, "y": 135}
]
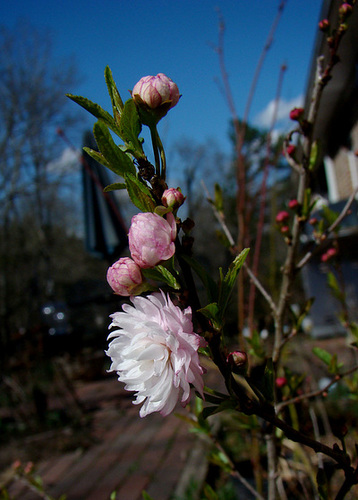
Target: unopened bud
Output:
[
  {"x": 29, "y": 467},
  {"x": 291, "y": 149},
  {"x": 154, "y": 96},
  {"x": 173, "y": 198},
  {"x": 324, "y": 25},
  {"x": 238, "y": 361},
  {"x": 296, "y": 114},
  {"x": 282, "y": 216},
  {"x": 281, "y": 382},
  {"x": 293, "y": 204},
  {"x": 345, "y": 10},
  {"x": 331, "y": 252},
  {"x": 125, "y": 277}
]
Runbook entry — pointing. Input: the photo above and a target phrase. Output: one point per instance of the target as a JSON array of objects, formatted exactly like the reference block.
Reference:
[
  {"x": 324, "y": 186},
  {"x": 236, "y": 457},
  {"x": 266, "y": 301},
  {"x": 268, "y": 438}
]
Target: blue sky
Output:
[{"x": 177, "y": 37}]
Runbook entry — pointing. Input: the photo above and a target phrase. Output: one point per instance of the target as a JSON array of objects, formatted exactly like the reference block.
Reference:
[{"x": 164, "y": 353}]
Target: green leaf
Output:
[
  {"x": 115, "y": 186},
  {"x": 96, "y": 155},
  {"x": 323, "y": 355},
  {"x": 306, "y": 205},
  {"x": 161, "y": 273},
  {"x": 228, "y": 282},
  {"x": 334, "y": 287},
  {"x": 118, "y": 161},
  {"x": 130, "y": 128},
  {"x": 314, "y": 156},
  {"x": 97, "y": 111},
  {"x": 146, "y": 496},
  {"x": 117, "y": 103},
  {"x": 330, "y": 216},
  {"x": 139, "y": 194},
  {"x": 208, "y": 282},
  {"x": 210, "y": 493},
  {"x": 212, "y": 313},
  {"x": 334, "y": 366}
]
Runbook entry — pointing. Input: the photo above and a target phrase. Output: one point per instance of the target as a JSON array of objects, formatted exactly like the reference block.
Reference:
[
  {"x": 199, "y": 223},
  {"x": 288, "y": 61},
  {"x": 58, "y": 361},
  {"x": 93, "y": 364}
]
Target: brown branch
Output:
[
  {"x": 260, "y": 224},
  {"x": 328, "y": 231},
  {"x": 318, "y": 392}
]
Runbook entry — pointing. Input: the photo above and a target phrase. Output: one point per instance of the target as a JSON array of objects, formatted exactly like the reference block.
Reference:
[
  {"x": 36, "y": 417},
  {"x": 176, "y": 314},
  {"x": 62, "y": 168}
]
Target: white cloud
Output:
[
  {"x": 264, "y": 118},
  {"x": 68, "y": 162}
]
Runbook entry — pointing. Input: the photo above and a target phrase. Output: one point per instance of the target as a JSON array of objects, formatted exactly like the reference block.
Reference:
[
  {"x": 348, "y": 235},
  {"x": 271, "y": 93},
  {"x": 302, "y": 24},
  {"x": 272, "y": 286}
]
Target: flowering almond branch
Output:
[{"x": 156, "y": 338}]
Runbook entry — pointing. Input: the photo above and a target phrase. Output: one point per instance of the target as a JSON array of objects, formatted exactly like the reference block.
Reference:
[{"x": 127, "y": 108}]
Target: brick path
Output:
[{"x": 130, "y": 454}]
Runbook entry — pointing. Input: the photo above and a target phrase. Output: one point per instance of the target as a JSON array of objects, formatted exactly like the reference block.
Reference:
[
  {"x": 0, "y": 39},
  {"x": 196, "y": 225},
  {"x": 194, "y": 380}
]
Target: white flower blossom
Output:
[{"x": 155, "y": 353}]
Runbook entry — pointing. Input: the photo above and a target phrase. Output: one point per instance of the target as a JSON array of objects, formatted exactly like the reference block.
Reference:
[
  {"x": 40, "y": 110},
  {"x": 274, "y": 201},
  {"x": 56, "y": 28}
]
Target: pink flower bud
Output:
[
  {"x": 151, "y": 238},
  {"x": 345, "y": 10},
  {"x": 282, "y": 216},
  {"x": 293, "y": 204},
  {"x": 296, "y": 114},
  {"x": 16, "y": 465},
  {"x": 324, "y": 25},
  {"x": 331, "y": 252},
  {"x": 29, "y": 467},
  {"x": 285, "y": 229},
  {"x": 281, "y": 382},
  {"x": 238, "y": 361},
  {"x": 156, "y": 90},
  {"x": 313, "y": 221},
  {"x": 173, "y": 198},
  {"x": 125, "y": 277},
  {"x": 290, "y": 150}
]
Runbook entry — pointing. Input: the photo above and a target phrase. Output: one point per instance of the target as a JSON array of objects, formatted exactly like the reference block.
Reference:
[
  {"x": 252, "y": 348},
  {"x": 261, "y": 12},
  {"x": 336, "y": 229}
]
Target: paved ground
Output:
[{"x": 129, "y": 454}]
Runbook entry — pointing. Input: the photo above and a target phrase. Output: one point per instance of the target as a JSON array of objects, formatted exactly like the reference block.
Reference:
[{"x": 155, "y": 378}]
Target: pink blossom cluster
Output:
[{"x": 151, "y": 240}]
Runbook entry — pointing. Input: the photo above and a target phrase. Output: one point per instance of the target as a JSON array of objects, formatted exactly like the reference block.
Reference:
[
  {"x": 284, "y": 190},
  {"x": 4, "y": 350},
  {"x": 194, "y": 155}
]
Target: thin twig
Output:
[
  {"x": 316, "y": 393},
  {"x": 329, "y": 230},
  {"x": 221, "y": 219},
  {"x": 261, "y": 288}
]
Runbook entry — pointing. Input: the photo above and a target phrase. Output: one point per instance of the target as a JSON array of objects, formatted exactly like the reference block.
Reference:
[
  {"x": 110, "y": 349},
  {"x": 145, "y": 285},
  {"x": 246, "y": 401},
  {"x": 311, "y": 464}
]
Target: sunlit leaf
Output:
[{"x": 139, "y": 194}]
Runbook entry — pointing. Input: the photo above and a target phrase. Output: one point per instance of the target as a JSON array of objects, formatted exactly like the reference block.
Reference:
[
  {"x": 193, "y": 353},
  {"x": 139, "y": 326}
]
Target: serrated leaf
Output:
[
  {"x": 161, "y": 273},
  {"x": 117, "y": 103},
  {"x": 212, "y": 313},
  {"x": 227, "y": 283},
  {"x": 114, "y": 187},
  {"x": 139, "y": 194},
  {"x": 130, "y": 128},
  {"x": 118, "y": 161},
  {"x": 97, "y": 111},
  {"x": 96, "y": 155},
  {"x": 323, "y": 355}
]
